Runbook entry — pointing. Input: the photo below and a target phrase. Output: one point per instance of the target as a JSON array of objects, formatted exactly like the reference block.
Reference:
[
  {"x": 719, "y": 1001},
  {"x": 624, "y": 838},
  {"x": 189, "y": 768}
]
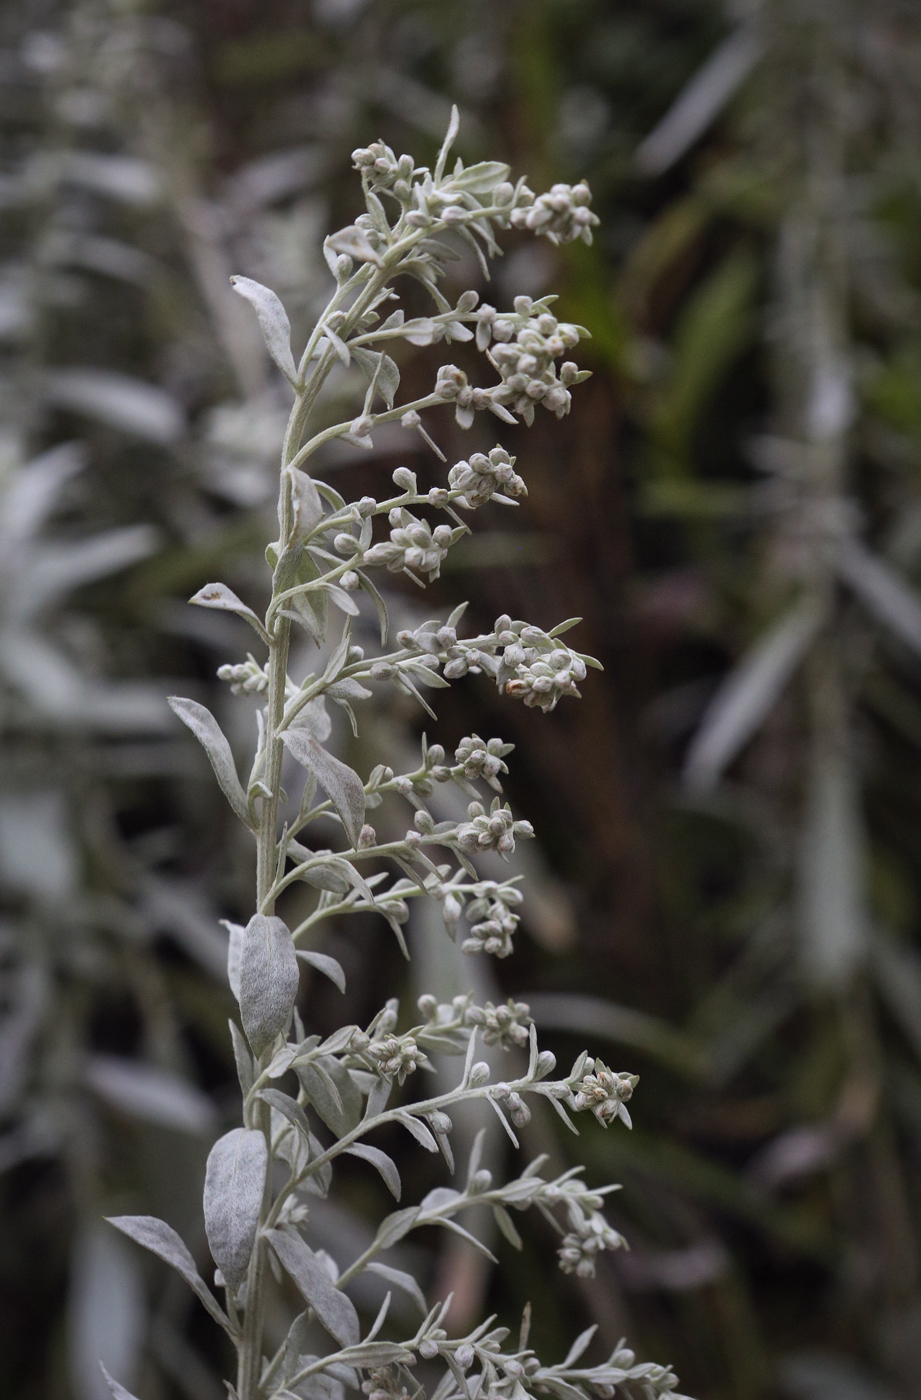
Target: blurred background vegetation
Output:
[{"x": 727, "y": 891}]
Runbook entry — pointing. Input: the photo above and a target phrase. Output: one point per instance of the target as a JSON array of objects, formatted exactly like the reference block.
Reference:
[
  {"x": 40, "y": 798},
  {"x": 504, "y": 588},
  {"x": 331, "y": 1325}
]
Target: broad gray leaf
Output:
[
  {"x": 268, "y": 980},
  {"x": 332, "y": 1092},
  {"x": 334, "y": 1310},
  {"x": 381, "y": 1162},
  {"x": 161, "y": 1239},
  {"x": 273, "y": 322},
  {"x": 881, "y": 590},
  {"x": 119, "y": 1391},
  {"x": 325, "y": 964},
  {"x": 401, "y": 1280},
  {"x": 149, "y": 1092},
  {"x": 212, "y": 739},
  {"x": 131, "y": 405},
  {"x": 288, "y": 1108},
  {"x": 746, "y": 696},
  {"x": 106, "y": 1311},
  {"x": 306, "y": 505},
  {"x": 481, "y": 178},
  {"x": 234, "y": 1187},
  {"x": 393, "y": 1227},
  {"x": 218, "y": 595},
  {"x": 341, "y": 783}
]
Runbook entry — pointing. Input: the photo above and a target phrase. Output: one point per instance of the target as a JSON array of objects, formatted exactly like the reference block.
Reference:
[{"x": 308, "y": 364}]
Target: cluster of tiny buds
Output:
[
  {"x": 380, "y": 165},
  {"x": 483, "y": 476},
  {"x": 495, "y": 831},
  {"x": 562, "y": 214},
  {"x": 248, "y": 677},
  {"x": 480, "y": 759},
  {"x": 605, "y": 1092},
  {"x": 384, "y": 1384},
  {"x": 580, "y": 1247},
  {"x": 503, "y": 1025},
  {"x": 492, "y": 934},
  {"x": 413, "y": 545},
  {"x": 535, "y": 667}
]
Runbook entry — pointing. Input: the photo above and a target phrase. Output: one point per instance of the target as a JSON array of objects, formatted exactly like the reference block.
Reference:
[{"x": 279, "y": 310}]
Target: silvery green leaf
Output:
[
  {"x": 306, "y": 505},
  {"x": 334, "y": 1310},
  {"x": 273, "y": 322},
  {"x": 418, "y": 1130},
  {"x": 268, "y": 980},
  {"x": 378, "y": 1096},
  {"x": 288, "y": 1108},
  {"x": 420, "y": 331},
  {"x": 234, "y": 1187},
  {"x": 393, "y": 1227},
  {"x": 481, "y": 178},
  {"x": 376, "y": 365},
  {"x": 314, "y": 717},
  {"x": 344, "y": 601},
  {"x": 118, "y": 1391},
  {"x": 833, "y": 860},
  {"x": 580, "y": 1345},
  {"x": 507, "y": 1226},
  {"x": 105, "y": 1310},
  {"x": 348, "y": 689},
  {"x": 325, "y": 964},
  {"x": 401, "y": 1280},
  {"x": 211, "y": 737},
  {"x": 345, "y": 355},
  {"x": 379, "y": 603},
  {"x": 341, "y": 784},
  {"x": 881, "y": 589},
  {"x": 242, "y": 1058},
  {"x": 332, "y": 1092},
  {"x": 324, "y": 875},
  {"x": 218, "y": 595},
  {"x": 161, "y": 1239},
  {"x": 748, "y": 693},
  {"x": 354, "y": 243},
  {"x": 234, "y": 953},
  {"x": 148, "y": 1092},
  {"x": 131, "y": 405},
  {"x": 382, "y": 1163},
  {"x": 451, "y": 133}
]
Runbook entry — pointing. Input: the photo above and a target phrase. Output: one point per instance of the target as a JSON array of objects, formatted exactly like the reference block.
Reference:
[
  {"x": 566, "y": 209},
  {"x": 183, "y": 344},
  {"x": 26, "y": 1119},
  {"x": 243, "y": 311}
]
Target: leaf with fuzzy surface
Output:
[
  {"x": 341, "y": 783},
  {"x": 273, "y": 322},
  {"x": 234, "y": 1186},
  {"x": 212, "y": 739},
  {"x": 161, "y": 1239},
  {"x": 268, "y": 980},
  {"x": 334, "y": 1310}
]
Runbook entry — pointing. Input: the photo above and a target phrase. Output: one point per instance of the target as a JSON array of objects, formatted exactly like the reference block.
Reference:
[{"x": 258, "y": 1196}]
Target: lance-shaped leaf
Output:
[
  {"x": 212, "y": 739},
  {"x": 306, "y": 505},
  {"x": 234, "y": 1187},
  {"x": 401, "y": 1280},
  {"x": 273, "y": 322},
  {"x": 117, "y": 1390},
  {"x": 334, "y": 1310},
  {"x": 268, "y": 980},
  {"x": 354, "y": 243},
  {"x": 748, "y": 693},
  {"x": 481, "y": 178},
  {"x": 325, "y": 964},
  {"x": 218, "y": 595},
  {"x": 341, "y": 783},
  {"x": 882, "y": 591},
  {"x": 384, "y": 1164},
  {"x": 379, "y": 369},
  {"x": 161, "y": 1239}
]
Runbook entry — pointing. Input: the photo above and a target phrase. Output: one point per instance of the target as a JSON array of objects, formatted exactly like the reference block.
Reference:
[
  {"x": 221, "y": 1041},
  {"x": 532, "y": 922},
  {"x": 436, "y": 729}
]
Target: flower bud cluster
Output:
[
  {"x": 481, "y": 759},
  {"x": 383, "y": 171},
  {"x": 248, "y": 677},
  {"x": 495, "y": 831},
  {"x": 503, "y": 1025},
  {"x": 395, "y": 1055},
  {"x": 413, "y": 545},
  {"x": 492, "y": 923},
  {"x": 525, "y": 350},
  {"x": 483, "y": 476},
  {"x": 535, "y": 667},
  {"x": 605, "y": 1092},
  {"x": 580, "y": 1247},
  {"x": 562, "y": 214},
  {"x": 384, "y": 1383},
  {"x": 452, "y": 386},
  {"x": 518, "y": 1110}
]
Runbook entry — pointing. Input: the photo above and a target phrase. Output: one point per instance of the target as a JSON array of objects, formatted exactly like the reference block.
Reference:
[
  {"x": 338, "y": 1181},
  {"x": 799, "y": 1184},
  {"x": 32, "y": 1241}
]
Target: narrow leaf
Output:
[
  {"x": 341, "y": 784},
  {"x": 117, "y": 1390},
  {"x": 419, "y": 1131},
  {"x": 209, "y": 734},
  {"x": 401, "y": 1280},
  {"x": 161, "y": 1239},
  {"x": 273, "y": 322},
  {"x": 234, "y": 1187},
  {"x": 268, "y": 980},
  {"x": 333, "y": 1309},
  {"x": 381, "y": 1162},
  {"x": 325, "y": 964},
  {"x": 507, "y": 1226}
]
